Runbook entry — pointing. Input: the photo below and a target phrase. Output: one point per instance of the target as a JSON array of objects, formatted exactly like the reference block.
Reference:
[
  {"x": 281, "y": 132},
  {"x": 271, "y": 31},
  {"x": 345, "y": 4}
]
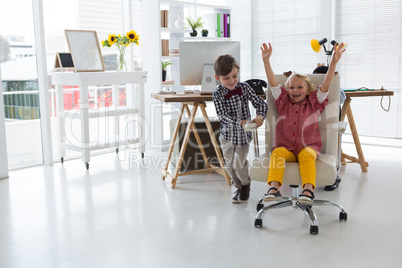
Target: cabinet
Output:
[
  {"x": 152, "y": 36},
  {"x": 83, "y": 143}
]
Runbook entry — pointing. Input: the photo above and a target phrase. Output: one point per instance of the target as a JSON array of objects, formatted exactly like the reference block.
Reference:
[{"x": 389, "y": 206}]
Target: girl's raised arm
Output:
[
  {"x": 338, "y": 50},
  {"x": 266, "y": 54}
]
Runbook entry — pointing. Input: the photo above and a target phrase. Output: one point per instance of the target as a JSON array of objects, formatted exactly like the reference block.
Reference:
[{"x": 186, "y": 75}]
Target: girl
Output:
[{"x": 297, "y": 136}]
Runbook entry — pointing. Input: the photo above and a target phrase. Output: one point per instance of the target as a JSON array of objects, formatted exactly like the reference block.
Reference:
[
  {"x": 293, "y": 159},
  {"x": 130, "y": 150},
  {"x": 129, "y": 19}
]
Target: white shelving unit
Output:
[
  {"x": 152, "y": 35},
  {"x": 83, "y": 80}
]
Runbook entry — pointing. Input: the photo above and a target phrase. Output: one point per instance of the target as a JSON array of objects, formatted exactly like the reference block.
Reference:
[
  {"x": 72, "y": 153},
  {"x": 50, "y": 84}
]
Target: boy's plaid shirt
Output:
[{"x": 234, "y": 109}]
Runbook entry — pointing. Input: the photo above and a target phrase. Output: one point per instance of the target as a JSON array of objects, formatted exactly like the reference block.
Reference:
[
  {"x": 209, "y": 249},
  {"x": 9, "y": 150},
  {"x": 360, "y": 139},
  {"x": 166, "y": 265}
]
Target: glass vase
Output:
[{"x": 121, "y": 63}]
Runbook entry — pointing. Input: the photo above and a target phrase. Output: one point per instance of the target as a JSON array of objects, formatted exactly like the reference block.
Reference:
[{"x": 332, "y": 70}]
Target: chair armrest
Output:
[{"x": 339, "y": 127}]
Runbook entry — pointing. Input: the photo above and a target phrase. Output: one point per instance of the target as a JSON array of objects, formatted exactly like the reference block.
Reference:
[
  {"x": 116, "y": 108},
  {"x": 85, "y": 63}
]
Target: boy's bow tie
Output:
[{"x": 237, "y": 91}]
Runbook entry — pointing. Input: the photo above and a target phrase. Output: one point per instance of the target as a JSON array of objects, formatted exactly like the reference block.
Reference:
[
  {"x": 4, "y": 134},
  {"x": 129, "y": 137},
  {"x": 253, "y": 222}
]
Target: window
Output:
[
  {"x": 288, "y": 25},
  {"x": 372, "y": 29},
  {"x": 19, "y": 72},
  {"x": 20, "y": 86}
]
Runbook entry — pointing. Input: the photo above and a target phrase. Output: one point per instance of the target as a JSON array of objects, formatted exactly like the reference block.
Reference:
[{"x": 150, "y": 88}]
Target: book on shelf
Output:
[
  {"x": 174, "y": 52},
  {"x": 165, "y": 47},
  {"x": 218, "y": 24},
  {"x": 226, "y": 25},
  {"x": 164, "y": 18},
  {"x": 222, "y": 26}
]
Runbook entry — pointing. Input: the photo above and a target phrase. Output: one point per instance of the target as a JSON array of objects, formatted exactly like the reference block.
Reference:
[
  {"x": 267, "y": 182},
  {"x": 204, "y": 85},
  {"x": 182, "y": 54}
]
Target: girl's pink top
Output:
[{"x": 297, "y": 124}]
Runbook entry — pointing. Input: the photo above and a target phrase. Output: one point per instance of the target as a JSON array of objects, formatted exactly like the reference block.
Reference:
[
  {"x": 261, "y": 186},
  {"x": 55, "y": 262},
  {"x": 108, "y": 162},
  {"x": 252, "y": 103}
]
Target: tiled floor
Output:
[{"x": 121, "y": 214}]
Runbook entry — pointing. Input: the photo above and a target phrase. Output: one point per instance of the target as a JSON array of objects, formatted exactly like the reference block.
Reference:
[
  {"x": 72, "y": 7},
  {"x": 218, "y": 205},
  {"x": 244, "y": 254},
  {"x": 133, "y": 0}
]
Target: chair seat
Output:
[{"x": 325, "y": 165}]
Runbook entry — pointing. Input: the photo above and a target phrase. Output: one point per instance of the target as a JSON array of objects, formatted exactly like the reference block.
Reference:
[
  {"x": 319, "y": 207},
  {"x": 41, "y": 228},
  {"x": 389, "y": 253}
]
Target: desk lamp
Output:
[{"x": 316, "y": 46}]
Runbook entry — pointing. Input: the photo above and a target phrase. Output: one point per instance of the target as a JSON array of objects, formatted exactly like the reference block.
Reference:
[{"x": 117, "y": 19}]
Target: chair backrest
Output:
[{"x": 327, "y": 119}]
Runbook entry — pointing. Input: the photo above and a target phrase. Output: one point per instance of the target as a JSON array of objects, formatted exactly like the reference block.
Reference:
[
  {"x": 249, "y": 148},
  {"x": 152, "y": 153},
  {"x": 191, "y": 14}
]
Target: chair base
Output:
[{"x": 293, "y": 201}]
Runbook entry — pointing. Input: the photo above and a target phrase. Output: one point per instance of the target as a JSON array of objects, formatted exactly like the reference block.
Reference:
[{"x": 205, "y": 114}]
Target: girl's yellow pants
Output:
[{"x": 306, "y": 159}]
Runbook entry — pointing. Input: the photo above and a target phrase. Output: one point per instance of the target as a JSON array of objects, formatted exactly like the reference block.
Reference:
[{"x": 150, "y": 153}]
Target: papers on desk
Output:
[{"x": 166, "y": 92}]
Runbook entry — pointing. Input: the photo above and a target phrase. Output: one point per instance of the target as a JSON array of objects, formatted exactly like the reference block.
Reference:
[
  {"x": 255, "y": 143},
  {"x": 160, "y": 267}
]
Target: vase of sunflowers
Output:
[{"x": 121, "y": 42}]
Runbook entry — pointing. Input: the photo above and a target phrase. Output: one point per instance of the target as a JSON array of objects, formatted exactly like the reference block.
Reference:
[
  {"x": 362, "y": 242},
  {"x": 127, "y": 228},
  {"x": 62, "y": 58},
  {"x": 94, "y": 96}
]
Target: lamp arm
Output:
[
  {"x": 328, "y": 59},
  {"x": 328, "y": 53}
]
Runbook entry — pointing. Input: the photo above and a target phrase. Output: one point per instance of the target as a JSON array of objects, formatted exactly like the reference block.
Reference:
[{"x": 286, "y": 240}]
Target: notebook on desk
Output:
[{"x": 358, "y": 89}]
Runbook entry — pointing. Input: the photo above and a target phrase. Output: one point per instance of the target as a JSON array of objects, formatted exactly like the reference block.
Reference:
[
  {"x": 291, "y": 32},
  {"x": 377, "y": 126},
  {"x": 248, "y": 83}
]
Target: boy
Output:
[{"x": 232, "y": 107}]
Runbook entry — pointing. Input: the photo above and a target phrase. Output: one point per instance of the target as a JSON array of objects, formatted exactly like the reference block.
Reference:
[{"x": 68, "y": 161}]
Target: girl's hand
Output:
[
  {"x": 338, "y": 51},
  {"x": 266, "y": 51}
]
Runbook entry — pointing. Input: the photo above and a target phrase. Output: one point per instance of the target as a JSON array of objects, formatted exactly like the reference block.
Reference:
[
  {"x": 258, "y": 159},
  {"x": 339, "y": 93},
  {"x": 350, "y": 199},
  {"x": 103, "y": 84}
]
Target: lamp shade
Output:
[
  {"x": 316, "y": 45},
  {"x": 333, "y": 42}
]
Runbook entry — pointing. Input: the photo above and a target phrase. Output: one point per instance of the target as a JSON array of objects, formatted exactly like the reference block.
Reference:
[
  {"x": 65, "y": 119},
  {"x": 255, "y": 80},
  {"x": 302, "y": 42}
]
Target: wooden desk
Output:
[
  {"x": 196, "y": 101},
  {"x": 347, "y": 111}
]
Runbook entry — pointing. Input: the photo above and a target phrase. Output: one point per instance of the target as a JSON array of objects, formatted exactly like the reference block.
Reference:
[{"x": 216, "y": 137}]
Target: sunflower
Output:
[
  {"x": 132, "y": 36},
  {"x": 111, "y": 39},
  {"x": 121, "y": 42}
]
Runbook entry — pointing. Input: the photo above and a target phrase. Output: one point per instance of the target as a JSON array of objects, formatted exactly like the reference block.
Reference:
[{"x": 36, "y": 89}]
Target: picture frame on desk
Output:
[
  {"x": 85, "y": 50},
  {"x": 63, "y": 62}
]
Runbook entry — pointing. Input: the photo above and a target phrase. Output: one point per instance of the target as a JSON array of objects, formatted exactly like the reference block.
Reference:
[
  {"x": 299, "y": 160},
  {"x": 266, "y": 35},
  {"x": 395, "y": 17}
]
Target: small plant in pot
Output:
[
  {"x": 164, "y": 65},
  {"x": 194, "y": 24},
  {"x": 204, "y": 32}
]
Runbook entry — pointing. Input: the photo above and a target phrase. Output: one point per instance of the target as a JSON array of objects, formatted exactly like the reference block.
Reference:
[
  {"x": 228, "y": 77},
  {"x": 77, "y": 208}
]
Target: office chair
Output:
[
  {"x": 326, "y": 164},
  {"x": 258, "y": 85}
]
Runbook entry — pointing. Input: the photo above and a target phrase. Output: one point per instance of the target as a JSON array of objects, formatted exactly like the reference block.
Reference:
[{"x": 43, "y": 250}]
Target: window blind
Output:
[
  {"x": 106, "y": 17},
  {"x": 372, "y": 30},
  {"x": 289, "y": 25}
]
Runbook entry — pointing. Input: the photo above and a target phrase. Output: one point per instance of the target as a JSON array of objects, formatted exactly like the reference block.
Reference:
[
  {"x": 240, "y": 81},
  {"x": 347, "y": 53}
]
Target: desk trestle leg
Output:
[
  {"x": 172, "y": 142},
  {"x": 215, "y": 144},
  {"x": 347, "y": 111},
  {"x": 171, "y": 179}
]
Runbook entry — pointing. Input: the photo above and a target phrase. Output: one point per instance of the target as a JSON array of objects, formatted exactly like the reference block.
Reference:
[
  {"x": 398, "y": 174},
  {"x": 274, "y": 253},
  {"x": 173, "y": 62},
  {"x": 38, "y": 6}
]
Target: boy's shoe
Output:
[
  {"x": 306, "y": 199},
  {"x": 244, "y": 193},
  {"x": 272, "y": 196},
  {"x": 236, "y": 197}
]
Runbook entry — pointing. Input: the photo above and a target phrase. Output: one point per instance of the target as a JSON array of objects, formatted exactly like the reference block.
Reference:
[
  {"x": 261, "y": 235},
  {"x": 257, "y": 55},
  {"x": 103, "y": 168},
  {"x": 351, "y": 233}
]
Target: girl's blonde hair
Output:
[{"x": 310, "y": 86}]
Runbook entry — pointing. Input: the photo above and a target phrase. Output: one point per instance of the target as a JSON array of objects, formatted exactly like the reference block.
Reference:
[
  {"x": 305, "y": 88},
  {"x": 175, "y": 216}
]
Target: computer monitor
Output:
[{"x": 197, "y": 62}]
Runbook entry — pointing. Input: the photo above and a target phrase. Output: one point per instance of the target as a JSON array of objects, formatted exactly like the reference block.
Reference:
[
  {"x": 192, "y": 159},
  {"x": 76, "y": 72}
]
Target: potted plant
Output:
[
  {"x": 194, "y": 24},
  {"x": 164, "y": 65},
  {"x": 204, "y": 32}
]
